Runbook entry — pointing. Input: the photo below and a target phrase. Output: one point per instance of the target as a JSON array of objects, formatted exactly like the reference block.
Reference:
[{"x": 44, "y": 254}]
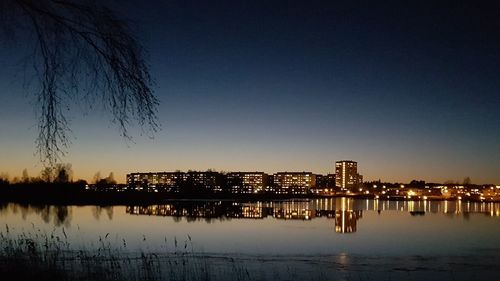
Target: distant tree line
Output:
[{"x": 60, "y": 173}]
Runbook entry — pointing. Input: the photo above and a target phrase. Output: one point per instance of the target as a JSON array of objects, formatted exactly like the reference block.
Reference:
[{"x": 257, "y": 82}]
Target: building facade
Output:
[
  {"x": 159, "y": 181},
  {"x": 247, "y": 182},
  {"x": 191, "y": 181},
  {"x": 293, "y": 182},
  {"x": 346, "y": 175}
]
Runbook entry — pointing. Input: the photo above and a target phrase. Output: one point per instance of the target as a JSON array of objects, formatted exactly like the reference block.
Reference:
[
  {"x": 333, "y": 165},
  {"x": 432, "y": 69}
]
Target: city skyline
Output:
[
  {"x": 410, "y": 90},
  {"x": 122, "y": 178}
]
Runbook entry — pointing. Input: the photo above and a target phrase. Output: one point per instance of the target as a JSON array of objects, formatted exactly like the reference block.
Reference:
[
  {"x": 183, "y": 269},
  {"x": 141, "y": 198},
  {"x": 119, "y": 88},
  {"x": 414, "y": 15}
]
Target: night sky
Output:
[{"x": 409, "y": 89}]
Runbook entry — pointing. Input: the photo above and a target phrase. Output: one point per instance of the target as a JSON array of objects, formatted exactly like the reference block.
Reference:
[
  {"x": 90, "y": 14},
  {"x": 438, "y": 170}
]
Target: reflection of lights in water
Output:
[
  {"x": 411, "y": 206},
  {"x": 342, "y": 209},
  {"x": 343, "y": 259},
  {"x": 345, "y": 204},
  {"x": 346, "y": 221}
]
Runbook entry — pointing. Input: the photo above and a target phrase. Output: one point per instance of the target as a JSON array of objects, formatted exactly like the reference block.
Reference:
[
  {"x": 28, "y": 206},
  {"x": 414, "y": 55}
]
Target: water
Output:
[{"x": 388, "y": 237}]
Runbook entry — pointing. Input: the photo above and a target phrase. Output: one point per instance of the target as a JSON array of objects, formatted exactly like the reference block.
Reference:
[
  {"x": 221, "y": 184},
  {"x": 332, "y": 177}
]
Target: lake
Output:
[{"x": 337, "y": 237}]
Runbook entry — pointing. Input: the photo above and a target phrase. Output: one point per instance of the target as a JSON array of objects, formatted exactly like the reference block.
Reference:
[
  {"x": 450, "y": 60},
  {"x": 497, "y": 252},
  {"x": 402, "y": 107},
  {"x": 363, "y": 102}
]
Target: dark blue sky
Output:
[{"x": 408, "y": 89}]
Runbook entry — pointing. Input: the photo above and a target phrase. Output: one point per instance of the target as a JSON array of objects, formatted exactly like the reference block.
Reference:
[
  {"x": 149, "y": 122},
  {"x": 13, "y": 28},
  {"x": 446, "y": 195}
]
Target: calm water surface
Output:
[{"x": 338, "y": 226}]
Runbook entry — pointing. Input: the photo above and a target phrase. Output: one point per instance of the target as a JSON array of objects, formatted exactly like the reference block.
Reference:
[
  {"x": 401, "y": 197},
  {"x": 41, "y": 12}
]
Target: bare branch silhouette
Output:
[{"x": 82, "y": 51}]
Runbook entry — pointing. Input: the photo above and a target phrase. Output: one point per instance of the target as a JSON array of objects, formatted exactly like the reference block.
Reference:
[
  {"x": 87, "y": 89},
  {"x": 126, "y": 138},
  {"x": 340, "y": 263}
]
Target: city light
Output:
[{"x": 345, "y": 182}]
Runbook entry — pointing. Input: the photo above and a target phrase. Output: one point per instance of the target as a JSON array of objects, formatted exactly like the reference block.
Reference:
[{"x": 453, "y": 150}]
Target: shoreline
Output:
[{"x": 83, "y": 197}]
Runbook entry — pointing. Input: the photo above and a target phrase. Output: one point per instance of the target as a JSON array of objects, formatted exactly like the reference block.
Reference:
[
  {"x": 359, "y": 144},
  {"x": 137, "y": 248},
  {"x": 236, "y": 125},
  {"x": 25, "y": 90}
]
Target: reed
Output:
[{"x": 35, "y": 255}]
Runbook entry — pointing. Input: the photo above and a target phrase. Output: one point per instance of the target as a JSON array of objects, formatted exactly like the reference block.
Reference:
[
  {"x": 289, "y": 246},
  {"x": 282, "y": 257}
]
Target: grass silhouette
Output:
[{"x": 36, "y": 255}]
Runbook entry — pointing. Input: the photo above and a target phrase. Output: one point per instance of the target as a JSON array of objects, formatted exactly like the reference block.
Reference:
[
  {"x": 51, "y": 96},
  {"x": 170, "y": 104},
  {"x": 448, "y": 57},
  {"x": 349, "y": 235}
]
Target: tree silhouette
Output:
[
  {"x": 46, "y": 174},
  {"x": 111, "y": 178},
  {"x": 4, "y": 179},
  {"x": 25, "y": 178},
  {"x": 97, "y": 177},
  {"x": 59, "y": 173},
  {"x": 81, "y": 51},
  {"x": 63, "y": 173},
  {"x": 467, "y": 181}
]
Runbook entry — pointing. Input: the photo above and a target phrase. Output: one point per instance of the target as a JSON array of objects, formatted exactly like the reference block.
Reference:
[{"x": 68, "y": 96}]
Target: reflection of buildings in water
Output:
[
  {"x": 211, "y": 210},
  {"x": 325, "y": 213},
  {"x": 346, "y": 221},
  {"x": 340, "y": 209},
  {"x": 207, "y": 210},
  {"x": 255, "y": 212},
  {"x": 251, "y": 212},
  {"x": 449, "y": 207},
  {"x": 295, "y": 210},
  {"x": 293, "y": 214},
  {"x": 155, "y": 210},
  {"x": 221, "y": 209}
]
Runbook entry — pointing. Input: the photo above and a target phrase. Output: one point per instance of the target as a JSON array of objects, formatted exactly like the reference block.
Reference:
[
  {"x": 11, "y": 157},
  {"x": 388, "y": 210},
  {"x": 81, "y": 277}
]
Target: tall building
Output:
[{"x": 346, "y": 174}]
